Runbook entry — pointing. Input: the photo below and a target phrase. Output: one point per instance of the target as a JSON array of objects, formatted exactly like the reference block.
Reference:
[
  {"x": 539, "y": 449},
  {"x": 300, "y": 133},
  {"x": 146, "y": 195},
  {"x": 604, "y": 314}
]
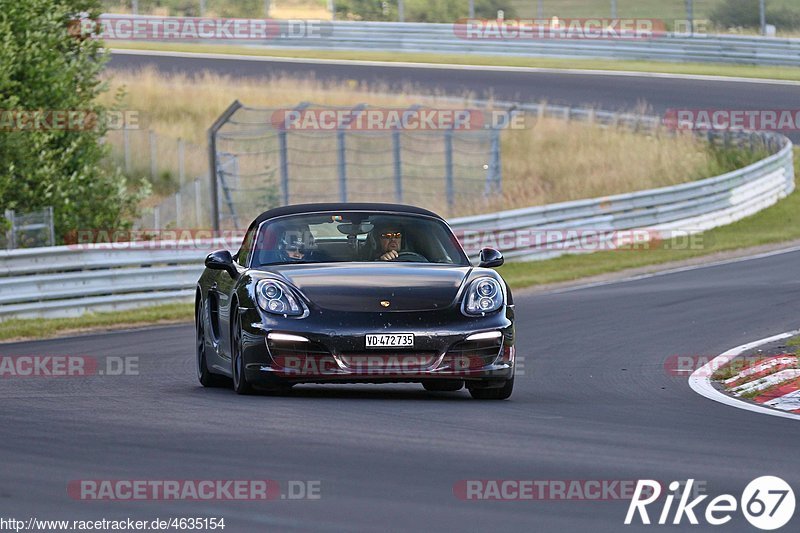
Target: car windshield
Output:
[{"x": 355, "y": 236}]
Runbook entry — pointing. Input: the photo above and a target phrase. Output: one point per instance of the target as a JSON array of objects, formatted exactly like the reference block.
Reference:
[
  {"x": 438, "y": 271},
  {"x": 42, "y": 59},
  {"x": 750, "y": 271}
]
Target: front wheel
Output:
[
  {"x": 500, "y": 393},
  {"x": 240, "y": 383}
]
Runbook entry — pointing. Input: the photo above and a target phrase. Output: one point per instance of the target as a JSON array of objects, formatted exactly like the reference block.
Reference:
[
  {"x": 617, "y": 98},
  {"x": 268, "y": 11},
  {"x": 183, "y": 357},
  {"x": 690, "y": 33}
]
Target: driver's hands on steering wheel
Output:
[{"x": 389, "y": 256}]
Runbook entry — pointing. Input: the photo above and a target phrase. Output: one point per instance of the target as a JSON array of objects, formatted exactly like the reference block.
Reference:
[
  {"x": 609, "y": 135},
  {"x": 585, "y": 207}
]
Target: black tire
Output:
[
  {"x": 500, "y": 393},
  {"x": 240, "y": 383},
  {"x": 204, "y": 375},
  {"x": 440, "y": 385}
]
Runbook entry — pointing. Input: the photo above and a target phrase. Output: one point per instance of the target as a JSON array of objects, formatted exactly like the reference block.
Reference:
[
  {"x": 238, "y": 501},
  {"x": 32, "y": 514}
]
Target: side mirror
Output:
[
  {"x": 222, "y": 260},
  {"x": 491, "y": 258}
]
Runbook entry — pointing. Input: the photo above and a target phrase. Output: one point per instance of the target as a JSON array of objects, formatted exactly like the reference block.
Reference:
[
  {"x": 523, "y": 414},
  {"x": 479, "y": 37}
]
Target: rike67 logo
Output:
[{"x": 767, "y": 503}]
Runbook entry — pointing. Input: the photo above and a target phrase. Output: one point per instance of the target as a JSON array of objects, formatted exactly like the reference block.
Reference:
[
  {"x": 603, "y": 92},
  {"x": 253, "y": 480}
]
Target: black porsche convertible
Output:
[{"x": 354, "y": 293}]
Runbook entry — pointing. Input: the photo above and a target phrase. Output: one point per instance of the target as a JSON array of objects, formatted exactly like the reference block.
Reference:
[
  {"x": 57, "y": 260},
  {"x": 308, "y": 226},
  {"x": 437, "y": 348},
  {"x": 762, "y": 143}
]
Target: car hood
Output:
[{"x": 362, "y": 287}]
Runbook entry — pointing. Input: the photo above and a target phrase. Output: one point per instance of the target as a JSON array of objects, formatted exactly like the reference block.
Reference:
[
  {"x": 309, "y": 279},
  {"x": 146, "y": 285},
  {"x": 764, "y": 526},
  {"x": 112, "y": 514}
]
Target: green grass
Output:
[
  {"x": 706, "y": 69},
  {"x": 50, "y": 327},
  {"x": 794, "y": 341},
  {"x": 729, "y": 370}
]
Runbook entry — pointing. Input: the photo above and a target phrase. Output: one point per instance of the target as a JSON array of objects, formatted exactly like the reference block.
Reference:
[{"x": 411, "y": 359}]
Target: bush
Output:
[
  {"x": 44, "y": 67},
  {"x": 745, "y": 14}
]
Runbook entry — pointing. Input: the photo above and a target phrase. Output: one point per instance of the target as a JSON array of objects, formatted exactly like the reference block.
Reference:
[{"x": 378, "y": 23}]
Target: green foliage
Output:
[
  {"x": 745, "y": 14},
  {"x": 44, "y": 67},
  {"x": 421, "y": 10}
]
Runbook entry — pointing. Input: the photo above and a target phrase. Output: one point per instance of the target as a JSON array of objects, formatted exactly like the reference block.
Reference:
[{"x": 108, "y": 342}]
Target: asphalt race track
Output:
[
  {"x": 594, "y": 403},
  {"x": 611, "y": 92}
]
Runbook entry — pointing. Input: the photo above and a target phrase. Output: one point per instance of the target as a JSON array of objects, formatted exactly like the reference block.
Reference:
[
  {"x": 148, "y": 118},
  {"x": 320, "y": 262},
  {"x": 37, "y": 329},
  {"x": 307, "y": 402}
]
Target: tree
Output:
[{"x": 46, "y": 66}]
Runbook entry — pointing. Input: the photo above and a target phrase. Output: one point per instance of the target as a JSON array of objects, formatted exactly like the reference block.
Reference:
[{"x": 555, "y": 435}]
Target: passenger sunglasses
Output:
[{"x": 391, "y": 235}]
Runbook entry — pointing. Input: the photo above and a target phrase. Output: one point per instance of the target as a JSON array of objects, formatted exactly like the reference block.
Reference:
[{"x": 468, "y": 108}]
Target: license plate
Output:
[{"x": 391, "y": 340}]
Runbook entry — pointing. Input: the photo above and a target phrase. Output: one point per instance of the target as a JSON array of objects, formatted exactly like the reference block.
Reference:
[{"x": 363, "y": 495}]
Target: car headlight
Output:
[
  {"x": 275, "y": 297},
  {"x": 484, "y": 295}
]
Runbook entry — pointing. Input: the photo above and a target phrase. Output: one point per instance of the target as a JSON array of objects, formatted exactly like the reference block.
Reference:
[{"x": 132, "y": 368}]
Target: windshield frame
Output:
[{"x": 465, "y": 261}]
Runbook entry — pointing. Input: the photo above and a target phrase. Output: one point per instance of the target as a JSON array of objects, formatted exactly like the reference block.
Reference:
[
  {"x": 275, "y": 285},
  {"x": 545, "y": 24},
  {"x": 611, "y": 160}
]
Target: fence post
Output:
[
  {"x": 181, "y": 161},
  {"x": 10, "y": 240},
  {"x": 52, "y": 223},
  {"x": 448, "y": 166},
  {"x": 342, "y": 160},
  {"x": 153, "y": 155},
  {"x": 157, "y": 218},
  {"x": 178, "y": 213},
  {"x": 197, "y": 202},
  {"x": 126, "y": 149},
  {"x": 342, "y": 145},
  {"x": 284, "y": 163},
  {"x": 398, "y": 166},
  {"x": 494, "y": 178},
  {"x": 212, "y": 160}
]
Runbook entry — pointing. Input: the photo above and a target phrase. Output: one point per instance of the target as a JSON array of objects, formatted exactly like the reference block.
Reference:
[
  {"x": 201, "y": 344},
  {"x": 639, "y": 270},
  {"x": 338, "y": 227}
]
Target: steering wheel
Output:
[{"x": 411, "y": 256}]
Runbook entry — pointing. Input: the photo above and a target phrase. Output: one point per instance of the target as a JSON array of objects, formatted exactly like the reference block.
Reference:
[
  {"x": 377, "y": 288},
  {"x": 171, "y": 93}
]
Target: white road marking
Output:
[{"x": 700, "y": 381}]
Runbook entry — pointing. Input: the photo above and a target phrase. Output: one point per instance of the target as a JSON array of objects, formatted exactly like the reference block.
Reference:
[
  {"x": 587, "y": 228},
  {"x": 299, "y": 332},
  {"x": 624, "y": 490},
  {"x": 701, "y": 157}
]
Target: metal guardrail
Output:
[
  {"x": 71, "y": 280},
  {"x": 449, "y": 38}
]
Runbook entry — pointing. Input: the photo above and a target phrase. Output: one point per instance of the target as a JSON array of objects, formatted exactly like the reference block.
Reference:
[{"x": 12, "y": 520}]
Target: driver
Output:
[
  {"x": 390, "y": 241},
  {"x": 297, "y": 244}
]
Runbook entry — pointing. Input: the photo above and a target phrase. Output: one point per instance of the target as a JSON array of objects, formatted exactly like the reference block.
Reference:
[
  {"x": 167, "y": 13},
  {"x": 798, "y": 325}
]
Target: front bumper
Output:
[{"x": 335, "y": 348}]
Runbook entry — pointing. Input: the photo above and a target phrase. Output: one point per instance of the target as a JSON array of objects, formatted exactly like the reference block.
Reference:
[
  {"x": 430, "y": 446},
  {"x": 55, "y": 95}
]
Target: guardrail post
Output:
[
  {"x": 448, "y": 167},
  {"x": 283, "y": 156},
  {"x": 398, "y": 166},
  {"x": 342, "y": 164}
]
